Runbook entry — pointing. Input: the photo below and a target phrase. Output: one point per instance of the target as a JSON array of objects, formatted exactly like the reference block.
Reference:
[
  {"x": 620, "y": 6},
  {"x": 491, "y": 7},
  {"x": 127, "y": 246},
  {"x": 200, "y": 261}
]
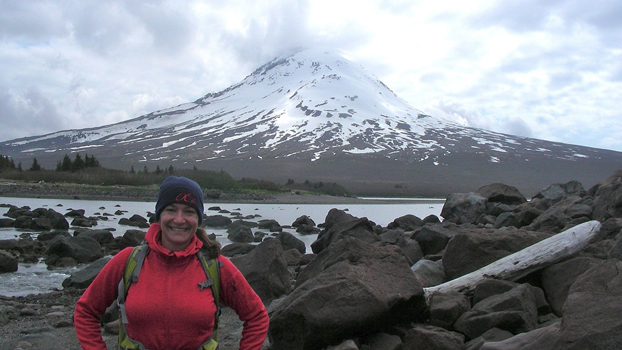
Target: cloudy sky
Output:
[{"x": 545, "y": 69}]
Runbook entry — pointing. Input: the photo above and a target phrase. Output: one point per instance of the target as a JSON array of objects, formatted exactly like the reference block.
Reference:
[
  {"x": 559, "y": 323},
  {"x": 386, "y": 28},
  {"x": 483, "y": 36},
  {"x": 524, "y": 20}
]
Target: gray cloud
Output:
[
  {"x": 31, "y": 21},
  {"x": 27, "y": 115}
]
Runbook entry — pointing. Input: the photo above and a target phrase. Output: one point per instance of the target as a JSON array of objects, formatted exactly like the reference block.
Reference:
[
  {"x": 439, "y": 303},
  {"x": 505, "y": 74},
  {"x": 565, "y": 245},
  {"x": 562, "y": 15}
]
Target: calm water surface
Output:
[{"x": 35, "y": 278}]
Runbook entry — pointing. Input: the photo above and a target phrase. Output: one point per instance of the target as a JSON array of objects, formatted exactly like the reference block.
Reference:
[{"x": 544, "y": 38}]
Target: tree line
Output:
[
  {"x": 7, "y": 164},
  {"x": 87, "y": 170}
]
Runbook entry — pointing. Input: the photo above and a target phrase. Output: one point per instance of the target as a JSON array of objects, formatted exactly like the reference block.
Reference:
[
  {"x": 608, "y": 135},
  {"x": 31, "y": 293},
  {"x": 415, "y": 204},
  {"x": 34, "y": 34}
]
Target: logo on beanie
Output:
[{"x": 187, "y": 198}]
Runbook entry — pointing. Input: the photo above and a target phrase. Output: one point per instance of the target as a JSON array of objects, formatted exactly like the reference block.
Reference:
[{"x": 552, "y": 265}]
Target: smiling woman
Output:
[{"x": 168, "y": 307}]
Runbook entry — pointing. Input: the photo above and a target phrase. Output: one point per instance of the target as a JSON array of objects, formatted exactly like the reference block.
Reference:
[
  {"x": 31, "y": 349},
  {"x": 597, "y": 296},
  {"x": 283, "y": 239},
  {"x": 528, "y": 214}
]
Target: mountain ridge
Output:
[{"x": 314, "y": 115}]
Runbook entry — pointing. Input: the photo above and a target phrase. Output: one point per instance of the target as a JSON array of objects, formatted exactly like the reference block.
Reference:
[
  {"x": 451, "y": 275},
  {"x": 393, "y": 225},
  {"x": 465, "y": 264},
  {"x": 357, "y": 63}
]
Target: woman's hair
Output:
[{"x": 212, "y": 247}]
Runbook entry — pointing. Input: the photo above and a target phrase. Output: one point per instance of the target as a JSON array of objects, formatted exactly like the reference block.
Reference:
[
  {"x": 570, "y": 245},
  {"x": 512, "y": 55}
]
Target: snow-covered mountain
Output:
[{"x": 316, "y": 115}]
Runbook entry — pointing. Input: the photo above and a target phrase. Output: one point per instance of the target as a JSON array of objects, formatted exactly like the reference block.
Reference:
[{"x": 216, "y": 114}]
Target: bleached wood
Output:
[{"x": 526, "y": 261}]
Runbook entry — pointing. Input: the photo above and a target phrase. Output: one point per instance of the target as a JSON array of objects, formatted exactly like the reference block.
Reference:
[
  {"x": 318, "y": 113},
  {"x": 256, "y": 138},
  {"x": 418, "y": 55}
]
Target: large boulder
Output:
[
  {"x": 474, "y": 248},
  {"x": 355, "y": 290},
  {"x": 429, "y": 273},
  {"x": 334, "y": 216},
  {"x": 426, "y": 337},
  {"x": 445, "y": 308},
  {"x": 240, "y": 234},
  {"x": 233, "y": 249},
  {"x": 83, "y": 277},
  {"x": 358, "y": 228},
  {"x": 216, "y": 221},
  {"x": 552, "y": 220},
  {"x": 433, "y": 238},
  {"x": 608, "y": 198},
  {"x": 131, "y": 238},
  {"x": 289, "y": 241},
  {"x": 270, "y": 225},
  {"x": 502, "y": 193},
  {"x": 407, "y": 222},
  {"x": 265, "y": 269},
  {"x": 411, "y": 249},
  {"x": 544, "y": 338},
  {"x": 101, "y": 236},
  {"x": 557, "y": 192},
  {"x": 83, "y": 249},
  {"x": 591, "y": 315},
  {"x": 303, "y": 220},
  {"x": 558, "y": 278},
  {"x": 8, "y": 263},
  {"x": 515, "y": 311},
  {"x": 464, "y": 208}
]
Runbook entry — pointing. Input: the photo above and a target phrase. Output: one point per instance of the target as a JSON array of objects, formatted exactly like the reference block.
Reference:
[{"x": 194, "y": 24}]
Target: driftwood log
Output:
[{"x": 526, "y": 261}]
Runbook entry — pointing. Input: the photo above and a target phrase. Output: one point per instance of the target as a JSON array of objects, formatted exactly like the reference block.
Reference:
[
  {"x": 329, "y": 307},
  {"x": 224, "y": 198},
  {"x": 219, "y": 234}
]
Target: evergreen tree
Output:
[
  {"x": 132, "y": 170},
  {"x": 66, "y": 164},
  {"x": 78, "y": 163},
  {"x": 35, "y": 165},
  {"x": 91, "y": 162},
  {"x": 6, "y": 163},
  {"x": 171, "y": 170},
  {"x": 19, "y": 167},
  {"x": 158, "y": 171}
]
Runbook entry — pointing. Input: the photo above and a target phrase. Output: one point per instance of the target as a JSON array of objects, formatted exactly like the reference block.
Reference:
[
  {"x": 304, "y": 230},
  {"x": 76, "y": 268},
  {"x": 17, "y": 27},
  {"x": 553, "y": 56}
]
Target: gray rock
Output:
[
  {"x": 445, "y": 308},
  {"x": 463, "y": 208},
  {"x": 83, "y": 249},
  {"x": 355, "y": 290},
  {"x": 433, "y": 238},
  {"x": 515, "y": 311},
  {"x": 425, "y": 337},
  {"x": 545, "y": 338},
  {"x": 407, "y": 222},
  {"x": 428, "y": 272},
  {"x": 289, "y": 241},
  {"x": 83, "y": 277},
  {"x": 359, "y": 228},
  {"x": 240, "y": 234},
  {"x": 8, "y": 263},
  {"x": 558, "y": 278},
  {"x": 591, "y": 315},
  {"x": 265, "y": 269},
  {"x": 501, "y": 193},
  {"x": 474, "y": 248}
]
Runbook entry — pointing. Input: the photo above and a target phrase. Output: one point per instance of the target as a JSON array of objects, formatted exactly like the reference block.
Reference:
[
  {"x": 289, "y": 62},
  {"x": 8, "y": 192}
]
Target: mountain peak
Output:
[{"x": 306, "y": 107}]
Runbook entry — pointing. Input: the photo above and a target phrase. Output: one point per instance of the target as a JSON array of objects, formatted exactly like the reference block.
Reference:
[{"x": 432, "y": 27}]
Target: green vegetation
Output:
[
  {"x": 87, "y": 171},
  {"x": 332, "y": 189}
]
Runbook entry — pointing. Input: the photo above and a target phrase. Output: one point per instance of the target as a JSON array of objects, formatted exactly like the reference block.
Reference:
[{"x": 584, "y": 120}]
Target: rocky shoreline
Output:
[
  {"x": 149, "y": 194},
  {"x": 371, "y": 287}
]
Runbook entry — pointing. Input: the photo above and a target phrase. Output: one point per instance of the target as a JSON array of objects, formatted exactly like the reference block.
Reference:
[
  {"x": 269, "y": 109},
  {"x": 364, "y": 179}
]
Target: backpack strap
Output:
[
  {"x": 130, "y": 275},
  {"x": 211, "y": 267}
]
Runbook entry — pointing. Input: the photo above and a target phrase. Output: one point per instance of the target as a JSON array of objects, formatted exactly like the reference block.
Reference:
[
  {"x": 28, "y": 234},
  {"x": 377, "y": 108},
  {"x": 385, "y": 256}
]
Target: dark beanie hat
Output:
[{"x": 182, "y": 190}]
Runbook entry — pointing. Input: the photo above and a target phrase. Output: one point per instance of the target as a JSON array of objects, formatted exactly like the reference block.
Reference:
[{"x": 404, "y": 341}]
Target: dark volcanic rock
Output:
[
  {"x": 265, "y": 269},
  {"x": 464, "y": 208},
  {"x": 352, "y": 292},
  {"x": 501, "y": 193},
  {"x": 472, "y": 248}
]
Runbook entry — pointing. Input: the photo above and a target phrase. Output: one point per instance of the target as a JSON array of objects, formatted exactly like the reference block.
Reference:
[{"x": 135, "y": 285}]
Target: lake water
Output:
[{"x": 35, "y": 278}]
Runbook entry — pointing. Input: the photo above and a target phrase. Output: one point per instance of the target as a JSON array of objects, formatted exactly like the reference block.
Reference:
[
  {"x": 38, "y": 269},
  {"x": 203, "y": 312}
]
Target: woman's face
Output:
[{"x": 179, "y": 223}]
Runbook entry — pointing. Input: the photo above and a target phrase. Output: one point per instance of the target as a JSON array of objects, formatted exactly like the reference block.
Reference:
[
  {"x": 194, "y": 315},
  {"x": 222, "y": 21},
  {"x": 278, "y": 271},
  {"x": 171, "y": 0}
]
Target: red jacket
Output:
[{"x": 166, "y": 309}]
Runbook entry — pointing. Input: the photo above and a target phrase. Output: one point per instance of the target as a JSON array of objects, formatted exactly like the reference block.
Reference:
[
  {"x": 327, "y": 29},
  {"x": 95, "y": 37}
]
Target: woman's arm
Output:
[
  {"x": 238, "y": 295},
  {"x": 94, "y": 301}
]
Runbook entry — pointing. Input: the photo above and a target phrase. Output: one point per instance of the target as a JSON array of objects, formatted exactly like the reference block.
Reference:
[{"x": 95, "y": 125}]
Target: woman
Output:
[{"x": 168, "y": 308}]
